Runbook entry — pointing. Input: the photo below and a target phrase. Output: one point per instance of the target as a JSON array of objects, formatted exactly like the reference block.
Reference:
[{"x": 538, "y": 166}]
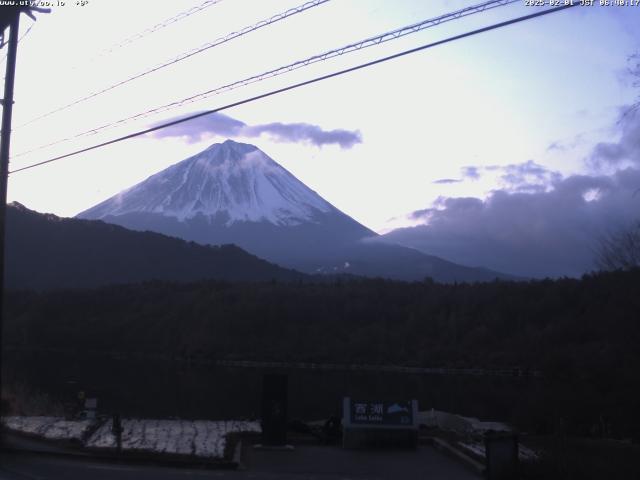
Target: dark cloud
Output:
[
  {"x": 557, "y": 145},
  {"x": 421, "y": 214},
  {"x": 527, "y": 173},
  {"x": 471, "y": 172},
  {"x": 223, "y": 125},
  {"x": 202, "y": 127},
  {"x": 626, "y": 149},
  {"x": 528, "y": 168},
  {"x": 550, "y": 232},
  {"x": 528, "y": 176},
  {"x": 447, "y": 181},
  {"x": 304, "y": 132},
  {"x": 530, "y": 188},
  {"x": 539, "y": 223},
  {"x": 459, "y": 203}
]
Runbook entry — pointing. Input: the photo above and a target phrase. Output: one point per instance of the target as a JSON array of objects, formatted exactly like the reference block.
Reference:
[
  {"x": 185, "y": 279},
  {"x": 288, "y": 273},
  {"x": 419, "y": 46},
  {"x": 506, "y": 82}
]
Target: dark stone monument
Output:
[
  {"x": 502, "y": 455},
  {"x": 90, "y": 407},
  {"x": 274, "y": 410}
]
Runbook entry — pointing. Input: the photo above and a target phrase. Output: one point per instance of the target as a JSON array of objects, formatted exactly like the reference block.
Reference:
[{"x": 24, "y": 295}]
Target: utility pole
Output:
[
  {"x": 9, "y": 18},
  {"x": 5, "y": 140}
]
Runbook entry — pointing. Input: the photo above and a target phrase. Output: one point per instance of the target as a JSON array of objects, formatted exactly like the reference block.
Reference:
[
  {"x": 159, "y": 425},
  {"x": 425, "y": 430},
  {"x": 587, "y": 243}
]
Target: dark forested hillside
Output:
[
  {"x": 582, "y": 334},
  {"x": 45, "y": 251},
  {"x": 552, "y": 323}
]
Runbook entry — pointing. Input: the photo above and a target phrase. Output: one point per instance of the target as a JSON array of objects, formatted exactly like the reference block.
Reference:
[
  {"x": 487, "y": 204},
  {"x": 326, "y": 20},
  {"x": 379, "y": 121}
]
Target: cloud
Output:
[
  {"x": 471, "y": 172},
  {"x": 567, "y": 145},
  {"x": 534, "y": 234},
  {"x": 625, "y": 151},
  {"x": 447, "y": 181},
  {"x": 527, "y": 176},
  {"x": 529, "y": 188},
  {"x": 527, "y": 173},
  {"x": 201, "y": 128},
  {"x": 557, "y": 145},
  {"x": 304, "y": 132},
  {"x": 539, "y": 223},
  {"x": 421, "y": 214},
  {"x": 219, "y": 124}
]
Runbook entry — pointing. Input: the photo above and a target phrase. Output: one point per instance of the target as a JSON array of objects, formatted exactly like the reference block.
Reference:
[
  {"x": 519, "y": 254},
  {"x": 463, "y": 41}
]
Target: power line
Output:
[
  {"x": 302, "y": 84},
  {"x": 165, "y": 23},
  {"x": 184, "y": 56},
  {"x": 367, "y": 42},
  {"x": 26, "y": 32}
]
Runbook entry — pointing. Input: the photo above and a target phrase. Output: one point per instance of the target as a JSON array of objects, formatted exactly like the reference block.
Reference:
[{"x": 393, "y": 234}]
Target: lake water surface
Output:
[{"x": 169, "y": 389}]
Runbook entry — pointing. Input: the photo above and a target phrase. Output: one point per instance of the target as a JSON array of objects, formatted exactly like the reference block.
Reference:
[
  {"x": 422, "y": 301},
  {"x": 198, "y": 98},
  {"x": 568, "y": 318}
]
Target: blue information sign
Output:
[{"x": 367, "y": 412}]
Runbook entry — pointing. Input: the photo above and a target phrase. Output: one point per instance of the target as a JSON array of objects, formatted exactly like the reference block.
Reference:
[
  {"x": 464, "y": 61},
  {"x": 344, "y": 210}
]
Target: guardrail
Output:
[{"x": 505, "y": 372}]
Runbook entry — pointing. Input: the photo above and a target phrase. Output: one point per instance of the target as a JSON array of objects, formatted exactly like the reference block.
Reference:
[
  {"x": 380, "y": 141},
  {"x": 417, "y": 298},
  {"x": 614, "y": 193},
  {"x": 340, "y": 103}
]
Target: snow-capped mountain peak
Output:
[
  {"x": 232, "y": 181},
  {"x": 234, "y": 193}
]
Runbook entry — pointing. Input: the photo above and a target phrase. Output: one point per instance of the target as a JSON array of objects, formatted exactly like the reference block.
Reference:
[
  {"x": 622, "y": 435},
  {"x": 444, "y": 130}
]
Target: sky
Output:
[{"x": 507, "y": 149}]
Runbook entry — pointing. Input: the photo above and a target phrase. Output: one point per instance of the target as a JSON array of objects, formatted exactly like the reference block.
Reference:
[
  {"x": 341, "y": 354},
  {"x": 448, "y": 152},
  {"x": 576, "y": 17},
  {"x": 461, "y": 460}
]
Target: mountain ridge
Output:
[{"x": 45, "y": 251}]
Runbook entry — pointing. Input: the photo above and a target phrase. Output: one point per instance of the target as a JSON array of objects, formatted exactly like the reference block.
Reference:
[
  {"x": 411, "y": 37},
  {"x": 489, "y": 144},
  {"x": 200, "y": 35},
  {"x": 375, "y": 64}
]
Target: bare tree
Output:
[
  {"x": 634, "y": 71},
  {"x": 619, "y": 250}
]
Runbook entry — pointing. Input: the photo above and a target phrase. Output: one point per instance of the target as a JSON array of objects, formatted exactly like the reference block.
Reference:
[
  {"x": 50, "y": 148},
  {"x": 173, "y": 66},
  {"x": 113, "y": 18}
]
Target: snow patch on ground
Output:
[
  {"x": 53, "y": 428},
  {"x": 458, "y": 423},
  {"x": 476, "y": 448},
  {"x": 200, "y": 438},
  {"x": 525, "y": 454},
  {"x": 471, "y": 429}
]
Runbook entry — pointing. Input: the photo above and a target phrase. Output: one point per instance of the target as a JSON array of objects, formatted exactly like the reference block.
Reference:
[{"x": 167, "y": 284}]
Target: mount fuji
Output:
[{"x": 235, "y": 193}]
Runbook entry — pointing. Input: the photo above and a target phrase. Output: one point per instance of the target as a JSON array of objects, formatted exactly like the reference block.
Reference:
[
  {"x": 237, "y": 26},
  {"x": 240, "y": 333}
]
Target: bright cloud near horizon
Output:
[{"x": 508, "y": 117}]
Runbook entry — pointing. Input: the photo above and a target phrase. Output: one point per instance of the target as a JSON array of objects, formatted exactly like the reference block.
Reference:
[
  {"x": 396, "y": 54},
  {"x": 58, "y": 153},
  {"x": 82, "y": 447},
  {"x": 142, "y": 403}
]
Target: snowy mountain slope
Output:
[
  {"x": 234, "y": 180},
  {"x": 235, "y": 193}
]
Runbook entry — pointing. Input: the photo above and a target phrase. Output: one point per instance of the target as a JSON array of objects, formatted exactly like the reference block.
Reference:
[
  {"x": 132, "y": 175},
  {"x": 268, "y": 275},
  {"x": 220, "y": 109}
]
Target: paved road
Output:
[
  {"x": 312, "y": 462},
  {"x": 304, "y": 463}
]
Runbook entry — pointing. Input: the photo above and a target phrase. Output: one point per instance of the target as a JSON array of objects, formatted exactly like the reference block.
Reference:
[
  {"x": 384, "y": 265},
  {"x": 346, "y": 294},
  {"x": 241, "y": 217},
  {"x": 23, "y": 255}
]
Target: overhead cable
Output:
[
  {"x": 365, "y": 43},
  {"x": 301, "y": 84},
  {"x": 184, "y": 56}
]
